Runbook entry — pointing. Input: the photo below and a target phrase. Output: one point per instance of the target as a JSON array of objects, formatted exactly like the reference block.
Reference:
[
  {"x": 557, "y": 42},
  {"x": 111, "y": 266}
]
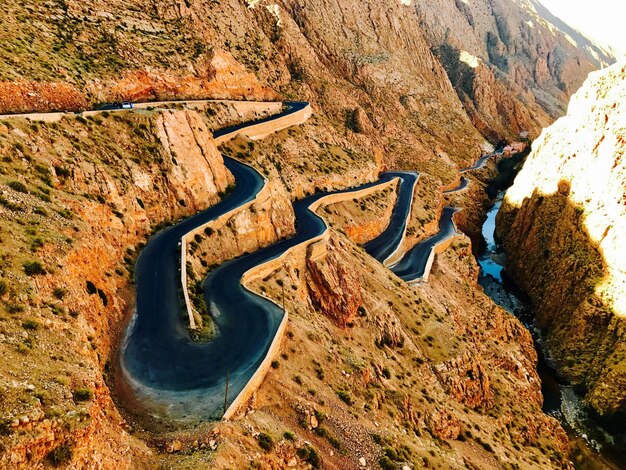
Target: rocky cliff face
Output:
[
  {"x": 513, "y": 64},
  {"x": 562, "y": 224}
]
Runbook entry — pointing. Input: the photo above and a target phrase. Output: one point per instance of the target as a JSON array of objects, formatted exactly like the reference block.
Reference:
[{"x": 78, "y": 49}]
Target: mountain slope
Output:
[
  {"x": 444, "y": 367},
  {"x": 513, "y": 64}
]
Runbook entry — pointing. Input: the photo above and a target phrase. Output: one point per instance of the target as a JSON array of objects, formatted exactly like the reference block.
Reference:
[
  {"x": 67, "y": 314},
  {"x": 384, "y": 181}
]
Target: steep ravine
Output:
[
  {"x": 591, "y": 446},
  {"x": 561, "y": 225}
]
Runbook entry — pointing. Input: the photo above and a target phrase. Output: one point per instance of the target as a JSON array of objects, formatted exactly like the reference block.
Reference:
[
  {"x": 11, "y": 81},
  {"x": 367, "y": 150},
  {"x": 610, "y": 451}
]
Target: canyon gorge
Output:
[{"x": 367, "y": 371}]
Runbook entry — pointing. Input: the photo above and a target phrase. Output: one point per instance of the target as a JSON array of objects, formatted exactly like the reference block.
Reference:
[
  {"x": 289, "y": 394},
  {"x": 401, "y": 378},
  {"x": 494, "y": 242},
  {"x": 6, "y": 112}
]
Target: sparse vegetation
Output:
[
  {"x": 310, "y": 456},
  {"x": 82, "y": 394},
  {"x": 30, "y": 324},
  {"x": 33, "y": 268},
  {"x": 61, "y": 455},
  {"x": 345, "y": 397},
  {"x": 17, "y": 186},
  {"x": 59, "y": 293},
  {"x": 265, "y": 441}
]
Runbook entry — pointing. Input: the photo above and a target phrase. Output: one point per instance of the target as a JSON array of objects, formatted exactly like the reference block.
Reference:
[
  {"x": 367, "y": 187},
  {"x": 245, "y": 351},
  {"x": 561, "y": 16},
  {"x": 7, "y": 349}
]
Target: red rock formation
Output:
[
  {"x": 333, "y": 289},
  {"x": 467, "y": 380},
  {"x": 23, "y": 97},
  {"x": 217, "y": 76}
]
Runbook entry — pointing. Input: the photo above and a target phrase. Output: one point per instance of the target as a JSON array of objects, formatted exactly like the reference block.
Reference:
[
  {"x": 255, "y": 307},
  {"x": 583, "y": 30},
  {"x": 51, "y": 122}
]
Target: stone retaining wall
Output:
[
  {"x": 263, "y": 129},
  {"x": 263, "y": 270}
]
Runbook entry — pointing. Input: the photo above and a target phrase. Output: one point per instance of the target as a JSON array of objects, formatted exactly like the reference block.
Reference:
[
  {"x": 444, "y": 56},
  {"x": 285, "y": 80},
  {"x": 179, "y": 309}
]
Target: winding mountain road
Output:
[
  {"x": 388, "y": 243},
  {"x": 462, "y": 186},
  {"x": 480, "y": 162},
  {"x": 414, "y": 264},
  {"x": 175, "y": 377}
]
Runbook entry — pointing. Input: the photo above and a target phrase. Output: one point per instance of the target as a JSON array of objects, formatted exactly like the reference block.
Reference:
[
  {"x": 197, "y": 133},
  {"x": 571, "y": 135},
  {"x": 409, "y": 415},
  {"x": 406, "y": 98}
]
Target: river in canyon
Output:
[{"x": 592, "y": 448}]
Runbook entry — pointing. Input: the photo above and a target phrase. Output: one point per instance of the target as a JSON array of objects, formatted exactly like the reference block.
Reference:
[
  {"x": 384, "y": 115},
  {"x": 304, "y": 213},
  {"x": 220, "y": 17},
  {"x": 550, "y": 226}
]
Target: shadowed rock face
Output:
[{"x": 562, "y": 225}]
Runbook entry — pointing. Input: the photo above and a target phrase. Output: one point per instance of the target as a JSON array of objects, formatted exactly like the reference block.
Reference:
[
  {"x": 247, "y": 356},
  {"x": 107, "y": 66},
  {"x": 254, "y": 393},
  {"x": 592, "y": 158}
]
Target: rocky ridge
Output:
[{"x": 125, "y": 174}]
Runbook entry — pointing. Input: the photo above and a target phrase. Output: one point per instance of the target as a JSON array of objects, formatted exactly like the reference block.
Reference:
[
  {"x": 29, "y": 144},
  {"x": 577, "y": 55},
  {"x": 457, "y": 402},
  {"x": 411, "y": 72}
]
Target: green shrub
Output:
[
  {"x": 5, "y": 427},
  {"x": 387, "y": 464},
  {"x": 3, "y": 288},
  {"x": 10, "y": 205},
  {"x": 14, "y": 308},
  {"x": 345, "y": 397},
  {"x": 265, "y": 441},
  {"x": 30, "y": 325},
  {"x": 61, "y": 172},
  {"x": 275, "y": 364},
  {"x": 309, "y": 455},
  {"x": 82, "y": 394},
  {"x": 18, "y": 186},
  {"x": 66, "y": 213},
  {"x": 33, "y": 268},
  {"x": 36, "y": 244},
  {"x": 289, "y": 436},
  {"x": 61, "y": 455},
  {"x": 59, "y": 293}
]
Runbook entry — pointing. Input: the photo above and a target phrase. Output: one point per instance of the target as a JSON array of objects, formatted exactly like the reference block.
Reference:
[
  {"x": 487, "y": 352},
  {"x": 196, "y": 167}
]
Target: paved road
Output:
[
  {"x": 168, "y": 372},
  {"x": 185, "y": 381},
  {"x": 55, "y": 116},
  {"x": 388, "y": 242},
  {"x": 480, "y": 162},
  {"x": 462, "y": 185},
  {"x": 158, "y": 357},
  {"x": 290, "y": 108},
  {"x": 412, "y": 266}
]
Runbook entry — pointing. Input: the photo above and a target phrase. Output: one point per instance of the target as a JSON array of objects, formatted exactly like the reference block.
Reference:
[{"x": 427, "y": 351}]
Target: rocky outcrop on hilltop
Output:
[
  {"x": 216, "y": 75},
  {"x": 513, "y": 64},
  {"x": 562, "y": 225}
]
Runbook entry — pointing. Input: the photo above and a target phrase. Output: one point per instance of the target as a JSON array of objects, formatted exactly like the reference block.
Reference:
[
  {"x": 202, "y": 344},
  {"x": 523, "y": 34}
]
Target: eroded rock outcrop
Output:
[
  {"x": 217, "y": 75},
  {"x": 467, "y": 380},
  {"x": 27, "y": 96},
  {"x": 333, "y": 289},
  {"x": 562, "y": 225}
]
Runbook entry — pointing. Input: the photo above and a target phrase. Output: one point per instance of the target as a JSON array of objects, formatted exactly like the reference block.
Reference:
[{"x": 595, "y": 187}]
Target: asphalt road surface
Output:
[
  {"x": 386, "y": 244},
  {"x": 182, "y": 380},
  {"x": 413, "y": 264}
]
